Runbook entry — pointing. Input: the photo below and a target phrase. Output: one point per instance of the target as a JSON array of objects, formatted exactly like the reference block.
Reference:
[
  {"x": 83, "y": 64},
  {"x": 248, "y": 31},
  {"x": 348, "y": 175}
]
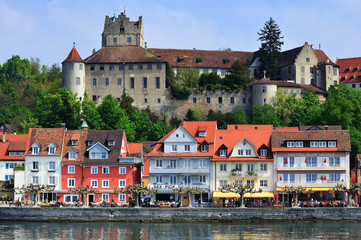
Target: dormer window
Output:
[
  {"x": 35, "y": 148},
  {"x": 290, "y": 144},
  {"x": 332, "y": 144},
  {"x": 74, "y": 142},
  {"x": 263, "y": 152},
  {"x": 72, "y": 153},
  {"x": 222, "y": 152},
  {"x": 111, "y": 143},
  {"x": 180, "y": 60},
  {"x": 202, "y": 134},
  {"x": 225, "y": 61},
  {"x": 204, "y": 148},
  {"x": 198, "y": 60},
  {"x": 90, "y": 143},
  {"x": 51, "y": 148}
]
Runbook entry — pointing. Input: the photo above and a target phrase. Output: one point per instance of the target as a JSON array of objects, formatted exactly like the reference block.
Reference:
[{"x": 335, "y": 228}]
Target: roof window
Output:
[
  {"x": 198, "y": 60},
  {"x": 180, "y": 59}
]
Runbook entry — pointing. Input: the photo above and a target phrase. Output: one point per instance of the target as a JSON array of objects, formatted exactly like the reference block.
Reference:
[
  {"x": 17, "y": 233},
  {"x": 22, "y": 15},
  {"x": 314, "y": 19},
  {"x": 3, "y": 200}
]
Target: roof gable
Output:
[
  {"x": 98, "y": 146},
  {"x": 180, "y": 135},
  {"x": 239, "y": 149}
]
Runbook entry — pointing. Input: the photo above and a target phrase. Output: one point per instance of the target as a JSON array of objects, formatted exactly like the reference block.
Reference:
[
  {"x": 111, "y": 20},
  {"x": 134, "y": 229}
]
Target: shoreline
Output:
[{"x": 180, "y": 215}]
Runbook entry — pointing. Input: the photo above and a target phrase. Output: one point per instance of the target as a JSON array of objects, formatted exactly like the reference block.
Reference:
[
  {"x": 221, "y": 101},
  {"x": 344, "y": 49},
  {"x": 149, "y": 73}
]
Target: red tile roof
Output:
[
  {"x": 16, "y": 143},
  {"x": 322, "y": 57},
  {"x": 350, "y": 70},
  {"x": 128, "y": 54},
  {"x": 135, "y": 148},
  {"x": 73, "y": 56},
  {"x": 201, "y": 58},
  {"x": 264, "y": 81},
  {"x": 81, "y": 136},
  {"x": 258, "y": 135},
  {"x": 45, "y": 136}
]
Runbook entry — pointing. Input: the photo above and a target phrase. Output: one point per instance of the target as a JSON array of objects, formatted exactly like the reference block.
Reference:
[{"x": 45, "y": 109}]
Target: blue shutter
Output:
[
  {"x": 7, "y": 177},
  {"x": 7, "y": 166}
]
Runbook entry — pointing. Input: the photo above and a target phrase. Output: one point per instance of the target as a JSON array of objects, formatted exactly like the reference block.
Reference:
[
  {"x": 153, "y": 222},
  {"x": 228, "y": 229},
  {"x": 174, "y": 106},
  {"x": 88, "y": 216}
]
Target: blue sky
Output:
[{"x": 47, "y": 28}]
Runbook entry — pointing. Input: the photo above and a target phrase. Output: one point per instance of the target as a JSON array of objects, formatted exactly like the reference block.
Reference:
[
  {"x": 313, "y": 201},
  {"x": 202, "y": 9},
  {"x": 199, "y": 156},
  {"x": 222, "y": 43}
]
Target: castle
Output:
[{"x": 123, "y": 64}]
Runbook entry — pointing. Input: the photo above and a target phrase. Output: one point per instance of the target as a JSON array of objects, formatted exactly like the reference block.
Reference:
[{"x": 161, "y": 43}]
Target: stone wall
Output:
[{"x": 180, "y": 214}]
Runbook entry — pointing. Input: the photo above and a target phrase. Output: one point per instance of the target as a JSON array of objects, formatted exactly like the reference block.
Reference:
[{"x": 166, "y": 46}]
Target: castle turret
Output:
[
  {"x": 73, "y": 70},
  {"x": 263, "y": 91},
  {"x": 120, "y": 31}
]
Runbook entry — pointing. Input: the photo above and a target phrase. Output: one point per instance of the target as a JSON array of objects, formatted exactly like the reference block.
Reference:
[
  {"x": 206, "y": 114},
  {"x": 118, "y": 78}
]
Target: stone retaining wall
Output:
[{"x": 179, "y": 214}]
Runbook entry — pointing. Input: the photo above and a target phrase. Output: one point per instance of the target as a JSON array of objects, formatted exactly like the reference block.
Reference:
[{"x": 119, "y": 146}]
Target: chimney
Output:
[
  {"x": 4, "y": 136},
  {"x": 145, "y": 45}
]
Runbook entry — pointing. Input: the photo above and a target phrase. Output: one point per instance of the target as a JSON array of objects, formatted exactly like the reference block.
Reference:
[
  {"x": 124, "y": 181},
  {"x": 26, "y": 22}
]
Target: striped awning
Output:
[
  {"x": 246, "y": 195},
  {"x": 316, "y": 189}
]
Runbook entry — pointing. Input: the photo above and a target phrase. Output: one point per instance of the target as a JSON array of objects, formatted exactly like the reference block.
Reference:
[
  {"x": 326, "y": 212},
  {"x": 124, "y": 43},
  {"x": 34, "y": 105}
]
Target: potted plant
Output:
[{"x": 250, "y": 173}]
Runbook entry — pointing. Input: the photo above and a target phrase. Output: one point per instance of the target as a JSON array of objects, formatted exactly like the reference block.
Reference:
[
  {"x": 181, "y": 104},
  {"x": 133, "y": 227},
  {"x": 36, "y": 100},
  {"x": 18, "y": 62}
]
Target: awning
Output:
[
  {"x": 316, "y": 189},
  {"x": 259, "y": 195},
  {"x": 246, "y": 195}
]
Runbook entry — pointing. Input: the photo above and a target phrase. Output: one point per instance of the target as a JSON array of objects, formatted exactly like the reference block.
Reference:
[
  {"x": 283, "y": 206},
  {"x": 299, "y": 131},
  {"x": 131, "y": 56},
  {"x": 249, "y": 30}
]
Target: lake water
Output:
[{"x": 106, "y": 230}]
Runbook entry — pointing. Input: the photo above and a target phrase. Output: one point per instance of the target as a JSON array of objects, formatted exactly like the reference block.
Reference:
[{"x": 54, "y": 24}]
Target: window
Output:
[
  {"x": 290, "y": 144},
  {"x": 292, "y": 178},
  {"x": 264, "y": 152},
  {"x": 90, "y": 143},
  {"x": 353, "y": 85},
  {"x": 205, "y": 70},
  {"x": 130, "y": 66},
  {"x": 264, "y": 100},
  {"x": 285, "y": 162},
  {"x": 307, "y": 59},
  {"x": 149, "y": 66},
  {"x": 292, "y": 161},
  {"x": 94, "y": 170},
  {"x": 335, "y": 177},
  {"x": 173, "y": 179},
  {"x": 248, "y": 152},
  {"x": 105, "y": 197},
  {"x": 145, "y": 83},
  {"x": 105, "y": 170},
  {"x": 159, "y": 179},
  {"x": 223, "y": 167},
  {"x": 240, "y": 152},
  {"x": 35, "y": 166},
  {"x": 122, "y": 170},
  {"x": 244, "y": 100},
  {"x": 77, "y": 80},
  {"x": 314, "y": 144},
  {"x": 299, "y": 144},
  {"x": 71, "y": 169},
  {"x": 232, "y": 100},
  {"x": 223, "y": 72},
  {"x": 98, "y": 155},
  {"x": 194, "y": 100},
  {"x": 334, "y": 162},
  {"x": 173, "y": 164},
  {"x": 264, "y": 89},
  {"x": 157, "y": 82},
  {"x": 115, "y": 40},
  {"x": 140, "y": 66},
  {"x": 122, "y": 197},
  {"x": 74, "y": 142},
  {"x": 202, "y": 178},
  {"x": 111, "y": 67},
  {"x": 250, "y": 183},
  {"x": 35, "y": 180},
  {"x": 158, "y": 100},
  {"x": 311, "y": 161},
  {"x": 222, "y": 183},
  {"x": 94, "y": 81},
  {"x": 94, "y": 183},
  {"x": 101, "y": 67},
  {"x": 334, "y": 71},
  {"x": 129, "y": 39},
  {"x": 187, "y": 148},
  {"x": 94, "y": 98},
  {"x": 158, "y": 163},
  {"x": 51, "y": 150},
  {"x": 302, "y": 69},
  {"x": 322, "y": 144},
  {"x": 106, "y": 81},
  {"x": 222, "y": 152},
  {"x": 204, "y": 148},
  {"x": 159, "y": 66},
  {"x": 52, "y": 166},
  {"x": 208, "y": 99},
  {"x": 250, "y": 167},
  {"x": 302, "y": 80},
  {"x": 332, "y": 144},
  {"x": 238, "y": 182},
  {"x": 121, "y": 67},
  {"x": 71, "y": 66},
  {"x": 92, "y": 68},
  {"x": 263, "y": 167},
  {"x": 119, "y": 81},
  {"x": 311, "y": 177},
  {"x": 80, "y": 66},
  {"x": 174, "y": 148},
  {"x": 263, "y": 183},
  {"x": 132, "y": 82},
  {"x": 111, "y": 143},
  {"x": 219, "y": 100},
  {"x": 238, "y": 166},
  {"x": 51, "y": 180},
  {"x": 285, "y": 177},
  {"x": 105, "y": 184},
  {"x": 71, "y": 182}
]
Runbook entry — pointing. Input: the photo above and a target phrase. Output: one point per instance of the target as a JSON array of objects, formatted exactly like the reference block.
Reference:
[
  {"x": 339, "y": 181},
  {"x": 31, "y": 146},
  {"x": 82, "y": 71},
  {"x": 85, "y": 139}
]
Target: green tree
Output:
[
  {"x": 237, "y": 76},
  {"x": 210, "y": 81},
  {"x": 188, "y": 77},
  {"x": 265, "y": 114},
  {"x": 284, "y": 106},
  {"x": 269, "y": 52},
  {"x": 169, "y": 76},
  {"x": 91, "y": 114},
  {"x": 137, "y": 190},
  {"x": 126, "y": 102},
  {"x": 15, "y": 69},
  {"x": 307, "y": 111},
  {"x": 240, "y": 117},
  {"x": 188, "y": 191},
  {"x": 240, "y": 189}
]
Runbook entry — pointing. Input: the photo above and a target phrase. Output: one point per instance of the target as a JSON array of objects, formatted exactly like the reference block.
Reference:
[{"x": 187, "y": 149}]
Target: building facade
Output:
[{"x": 350, "y": 71}]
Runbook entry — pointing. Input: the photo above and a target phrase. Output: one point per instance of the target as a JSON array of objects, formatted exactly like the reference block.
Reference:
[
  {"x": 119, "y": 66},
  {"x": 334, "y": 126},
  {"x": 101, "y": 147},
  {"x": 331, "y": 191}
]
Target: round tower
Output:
[
  {"x": 73, "y": 73},
  {"x": 264, "y": 91}
]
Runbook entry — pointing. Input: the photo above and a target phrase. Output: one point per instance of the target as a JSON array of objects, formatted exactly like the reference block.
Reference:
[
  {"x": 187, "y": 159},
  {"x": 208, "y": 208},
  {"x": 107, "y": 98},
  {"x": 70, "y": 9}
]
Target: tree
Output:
[
  {"x": 265, "y": 114},
  {"x": 34, "y": 189},
  {"x": 237, "y": 76},
  {"x": 240, "y": 189},
  {"x": 188, "y": 77},
  {"x": 82, "y": 191},
  {"x": 284, "y": 106},
  {"x": 137, "y": 189},
  {"x": 126, "y": 102},
  {"x": 240, "y": 117},
  {"x": 210, "y": 81},
  {"x": 90, "y": 113},
  {"x": 307, "y": 110},
  {"x": 188, "y": 191},
  {"x": 296, "y": 191},
  {"x": 340, "y": 187},
  {"x": 269, "y": 52},
  {"x": 169, "y": 76}
]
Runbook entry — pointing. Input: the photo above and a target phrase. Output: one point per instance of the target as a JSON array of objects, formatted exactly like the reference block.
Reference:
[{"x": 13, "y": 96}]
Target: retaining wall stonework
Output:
[{"x": 179, "y": 214}]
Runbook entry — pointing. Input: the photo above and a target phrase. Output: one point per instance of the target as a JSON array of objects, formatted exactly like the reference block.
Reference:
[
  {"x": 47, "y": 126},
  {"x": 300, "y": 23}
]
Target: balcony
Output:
[
  {"x": 179, "y": 170},
  {"x": 317, "y": 184},
  {"x": 237, "y": 174}
]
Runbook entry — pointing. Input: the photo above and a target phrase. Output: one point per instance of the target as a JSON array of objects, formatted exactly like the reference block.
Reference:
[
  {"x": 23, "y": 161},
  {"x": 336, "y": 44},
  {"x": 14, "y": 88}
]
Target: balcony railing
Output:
[{"x": 236, "y": 174}]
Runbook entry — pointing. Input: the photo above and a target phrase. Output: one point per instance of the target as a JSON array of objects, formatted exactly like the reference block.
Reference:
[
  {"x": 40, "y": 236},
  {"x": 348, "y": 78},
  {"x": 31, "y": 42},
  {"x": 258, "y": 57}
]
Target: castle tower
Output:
[
  {"x": 73, "y": 71},
  {"x": 263, "y": 91},
  {"x": 119, "y": 32}
]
